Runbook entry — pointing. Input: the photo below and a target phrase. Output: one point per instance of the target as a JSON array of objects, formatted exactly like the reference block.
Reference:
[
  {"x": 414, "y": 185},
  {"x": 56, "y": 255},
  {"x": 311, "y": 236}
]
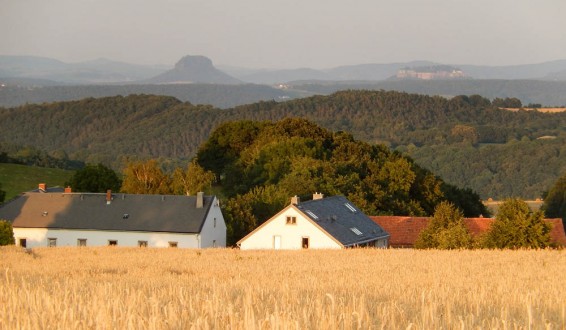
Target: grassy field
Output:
[
  {"x": 16, "y": 179},
  {"x": 133, "y": 288}
]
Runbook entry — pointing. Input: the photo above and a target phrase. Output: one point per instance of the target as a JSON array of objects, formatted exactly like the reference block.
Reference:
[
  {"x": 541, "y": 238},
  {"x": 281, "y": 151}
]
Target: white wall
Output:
[
  {"x": 291, "y": 235},
  {"x": 38, "y": 237},
  {"x": 211, "y": 235}
]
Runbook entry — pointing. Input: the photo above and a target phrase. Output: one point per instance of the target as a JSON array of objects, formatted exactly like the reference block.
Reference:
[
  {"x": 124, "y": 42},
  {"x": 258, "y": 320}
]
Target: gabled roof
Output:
[
  {"x": 125, "y": 212},
  {"x": 341, "y": 219},
  {"x": 405, "y": 230}
]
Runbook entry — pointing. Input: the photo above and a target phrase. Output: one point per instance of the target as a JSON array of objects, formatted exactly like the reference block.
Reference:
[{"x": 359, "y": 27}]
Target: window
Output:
[
  {"x": 51, "y": 242},
  {"x": 81, "y": 242},
  {"x": 142, "y": 243},
  {"x": 356, "y": 231},
  {"x": 214, "y": 222},
  {"x": 214, "y": 243},
  {"x": 291, "y": 221},
  {"x": 23, "y": 242},
  {"x": 305, "y": 242},
  {"x": 112, "y": 242},
  {"x": 173, "y": 244}
]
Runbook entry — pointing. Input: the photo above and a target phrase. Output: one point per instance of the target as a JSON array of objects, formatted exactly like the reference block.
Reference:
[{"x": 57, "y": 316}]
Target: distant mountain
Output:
[
  {"x": 282, "y": 76},
  {"x": 199, "y": 69},
  {"x": 373, "y": 72},
  {"x": 362, "y": 72},
  {"x": 90, "y": 72},
  {"x": 221, "y": 96},
  {"x": 557, "y": 76},
  {"x": 527, "y": 71},
  {"x": 194, "y": 69},
  {"x": 378, "y": 72}
]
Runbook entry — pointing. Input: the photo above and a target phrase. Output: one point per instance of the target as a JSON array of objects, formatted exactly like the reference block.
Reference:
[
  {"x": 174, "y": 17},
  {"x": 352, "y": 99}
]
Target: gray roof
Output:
[
  {"x": 126, "y": 212},
  {"x": 343, "y": 220}
]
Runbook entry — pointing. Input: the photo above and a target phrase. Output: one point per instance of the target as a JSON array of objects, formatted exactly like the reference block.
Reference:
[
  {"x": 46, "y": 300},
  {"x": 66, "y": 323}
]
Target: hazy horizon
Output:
[{"x": 291, "y": 34}]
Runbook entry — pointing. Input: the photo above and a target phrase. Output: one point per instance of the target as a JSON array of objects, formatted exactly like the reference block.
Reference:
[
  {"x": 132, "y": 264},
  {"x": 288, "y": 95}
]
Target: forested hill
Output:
[{"x": 109, "y": 129}]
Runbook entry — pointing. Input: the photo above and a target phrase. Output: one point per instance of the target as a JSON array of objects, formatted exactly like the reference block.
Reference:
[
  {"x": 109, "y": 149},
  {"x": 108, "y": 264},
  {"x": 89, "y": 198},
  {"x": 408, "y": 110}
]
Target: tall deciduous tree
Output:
[
  {"x": 95, "y": 178},
  {"x": 145, "y": 178},
  {"x": 555, "y": 201},
  {"x": 6, "y": 233},
  {"x": 515, "y": 227},
  {"x": 192, "y": 180},
  {"x": 446, "y": 230}
]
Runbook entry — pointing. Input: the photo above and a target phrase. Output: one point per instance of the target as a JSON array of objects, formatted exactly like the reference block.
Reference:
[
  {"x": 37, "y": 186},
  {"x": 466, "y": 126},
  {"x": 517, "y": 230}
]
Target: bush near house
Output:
[{"x": 6, "y": 233}]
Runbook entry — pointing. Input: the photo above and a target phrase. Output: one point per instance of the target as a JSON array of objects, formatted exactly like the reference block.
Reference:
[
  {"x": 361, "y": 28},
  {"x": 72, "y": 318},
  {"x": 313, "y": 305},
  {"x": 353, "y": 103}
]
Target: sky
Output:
[{"x": 281, "y": 34}]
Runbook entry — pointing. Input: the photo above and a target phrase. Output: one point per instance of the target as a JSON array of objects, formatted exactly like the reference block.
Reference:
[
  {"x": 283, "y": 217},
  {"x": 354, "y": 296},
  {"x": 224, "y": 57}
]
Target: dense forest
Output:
[
  {"x": 261, "y": 164},
  {"x": 465, "y": 140}
]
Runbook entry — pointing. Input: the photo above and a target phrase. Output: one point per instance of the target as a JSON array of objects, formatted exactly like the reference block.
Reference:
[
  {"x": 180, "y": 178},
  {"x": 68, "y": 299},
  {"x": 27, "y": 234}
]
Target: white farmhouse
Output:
[
  {"x": 89, "y": 219},
  {"x": 322, "y": 223}
]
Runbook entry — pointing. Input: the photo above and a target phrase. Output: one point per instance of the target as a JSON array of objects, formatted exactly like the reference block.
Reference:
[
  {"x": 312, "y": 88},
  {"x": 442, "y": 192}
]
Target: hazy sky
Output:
[{"x": 287, "y": 33}]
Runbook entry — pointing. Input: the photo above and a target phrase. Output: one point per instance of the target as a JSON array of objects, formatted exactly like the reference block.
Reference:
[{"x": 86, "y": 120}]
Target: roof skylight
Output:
[
  {"x": 356, "y": 231},
  {"x": 311, "y": 214},
  {"x": 350, "y": 207}
]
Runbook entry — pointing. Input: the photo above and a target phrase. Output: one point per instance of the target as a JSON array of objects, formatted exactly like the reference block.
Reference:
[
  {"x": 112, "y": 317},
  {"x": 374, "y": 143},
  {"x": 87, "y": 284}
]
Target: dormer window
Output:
[{"x": 291, "y": 221}]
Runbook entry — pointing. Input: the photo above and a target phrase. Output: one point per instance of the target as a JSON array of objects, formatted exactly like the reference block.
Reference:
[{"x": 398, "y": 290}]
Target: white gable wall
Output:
[
  {"x": 290, "y": 235},
  {"x": 213, "y": 232},
  {"x": 39, "y": 237}
]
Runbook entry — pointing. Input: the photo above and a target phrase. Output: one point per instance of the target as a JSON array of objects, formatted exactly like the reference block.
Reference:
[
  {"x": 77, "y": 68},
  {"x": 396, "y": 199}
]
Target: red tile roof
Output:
[{"x": 404, "y": 231}]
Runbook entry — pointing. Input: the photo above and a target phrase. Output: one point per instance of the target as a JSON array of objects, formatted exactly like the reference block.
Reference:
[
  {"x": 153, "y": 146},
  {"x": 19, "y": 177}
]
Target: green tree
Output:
[
  {"x": 446, "y": 230},
  {"x": 95, "y": 178},
  {"x": 6, "y": 233},
  {"x": 243, "y": 213},
  {"x": 145, "y": 178},
  {"x": 192, "y": 180},
  {"x": 2, "y": 194},
  {"x": 515, "y": 227},
  {"x": 555, "y": 200}
]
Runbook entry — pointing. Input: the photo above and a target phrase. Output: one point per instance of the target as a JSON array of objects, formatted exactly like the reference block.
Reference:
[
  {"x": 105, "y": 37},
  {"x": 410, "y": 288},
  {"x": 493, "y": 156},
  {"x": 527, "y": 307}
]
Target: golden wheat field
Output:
[{"x": 141, "y": 288}]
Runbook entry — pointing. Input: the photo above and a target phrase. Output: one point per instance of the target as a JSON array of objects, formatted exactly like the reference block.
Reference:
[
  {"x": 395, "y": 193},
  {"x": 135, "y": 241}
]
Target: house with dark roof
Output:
[
  {"x": 93, "y": 219},
  {"x": 321, "y": 223},
  {"x": 404, "y": 231}
]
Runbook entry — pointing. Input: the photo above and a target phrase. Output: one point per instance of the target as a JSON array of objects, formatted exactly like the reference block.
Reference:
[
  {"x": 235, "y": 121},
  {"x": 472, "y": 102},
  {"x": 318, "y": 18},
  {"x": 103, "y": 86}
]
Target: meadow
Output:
[
  {"x": 150, "y": 288},
  {"x": 16, "y": 178}
]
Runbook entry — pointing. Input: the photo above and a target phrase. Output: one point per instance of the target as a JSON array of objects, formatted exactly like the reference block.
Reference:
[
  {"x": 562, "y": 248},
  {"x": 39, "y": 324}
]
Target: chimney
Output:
[
  {"x": 68, "y": 190},
  {"x": 108, "y": 196},
  {"x": 317, "y": 196},
  {"x": 295, "y": 200},
  {"x": 200, "y": 200},
  {"x": 42, "y": 187}
]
